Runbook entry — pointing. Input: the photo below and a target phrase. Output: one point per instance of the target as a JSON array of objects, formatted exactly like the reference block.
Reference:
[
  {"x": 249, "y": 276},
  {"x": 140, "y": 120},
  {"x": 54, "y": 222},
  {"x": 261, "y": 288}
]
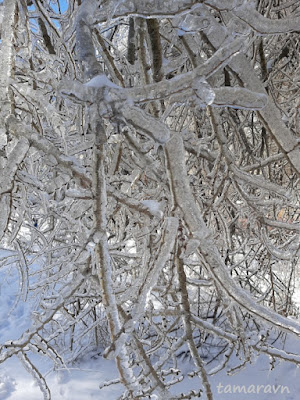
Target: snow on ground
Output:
[
  {"x": 75, "y": 384},
  {"x": 81, "y": 382}
]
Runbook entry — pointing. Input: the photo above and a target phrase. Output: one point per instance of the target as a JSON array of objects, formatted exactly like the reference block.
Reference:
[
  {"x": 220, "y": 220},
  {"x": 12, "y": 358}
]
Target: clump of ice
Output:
[
  {"x": 204, "y": 93},
  {"x": 193, "y": 23},
  {"x": 101, "y": 81},
  {"x": 154, "y": 207}
]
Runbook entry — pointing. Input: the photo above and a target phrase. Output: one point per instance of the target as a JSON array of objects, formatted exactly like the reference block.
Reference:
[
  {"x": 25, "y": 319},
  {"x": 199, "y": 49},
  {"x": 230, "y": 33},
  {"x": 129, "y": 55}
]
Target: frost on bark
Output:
[{"x": 149, "y": 187}]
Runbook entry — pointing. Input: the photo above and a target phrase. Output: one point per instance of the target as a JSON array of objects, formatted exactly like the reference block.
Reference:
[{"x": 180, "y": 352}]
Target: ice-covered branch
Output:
[
  {"x": 209, "y": 327},
  {"x": 277, "y": 353},
  {"x": 140, "y": 206},
  {"x": 7, "y": 176},
  {"x": 84, "y": 41},
  {"x": 29, "y": 366},
  {"x": 254, "y": 180},
  {"x": 267, "y": 26},
  {"x": 106, "y": 90},
  {"x": 104, "y": 269},
  {"x": 270, "y": 114},
  {"x": 225, "y": 5},
  {"x": 6, "y": 62},
  {"x": 151, "y": 277},
  {"x": 187, "y": 323},
  {"x": 281, "y": 225},
  {"x": 68, "y": 164},
  {"x": 237, "y": 97},
  {"x": 139, "y": 221},
  {"x": 146, "y": 124},
  {"x": 14, "y": 347},
  {"x": 14, "y": 159},
  {"x": 184, "y": 199},
  {"x": 144, "y": 9}
]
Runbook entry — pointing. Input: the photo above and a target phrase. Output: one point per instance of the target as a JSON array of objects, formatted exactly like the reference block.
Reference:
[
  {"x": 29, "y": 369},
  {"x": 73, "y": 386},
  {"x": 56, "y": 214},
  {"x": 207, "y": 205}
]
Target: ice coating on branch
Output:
[{"x": 100, "y": 81}]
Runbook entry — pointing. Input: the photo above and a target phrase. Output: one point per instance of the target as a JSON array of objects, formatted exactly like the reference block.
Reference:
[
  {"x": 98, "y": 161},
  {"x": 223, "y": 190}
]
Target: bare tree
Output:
[{"x": 150, "y": 182}]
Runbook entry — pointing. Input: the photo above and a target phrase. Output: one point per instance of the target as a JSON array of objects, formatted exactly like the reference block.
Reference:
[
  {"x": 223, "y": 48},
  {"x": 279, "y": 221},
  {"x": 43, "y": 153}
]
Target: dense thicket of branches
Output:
[{"x": 150, "y": 182}]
